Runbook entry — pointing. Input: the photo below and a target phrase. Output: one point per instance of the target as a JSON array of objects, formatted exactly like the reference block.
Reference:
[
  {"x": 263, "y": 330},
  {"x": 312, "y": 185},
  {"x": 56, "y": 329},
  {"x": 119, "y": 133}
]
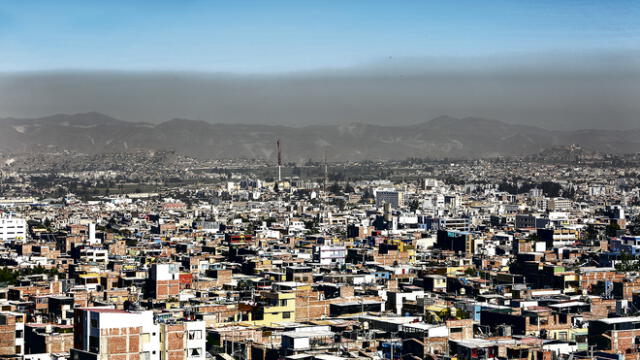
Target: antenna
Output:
[
  {"x": 279, "y": 161},
  {"x": 326, "y": 172}
]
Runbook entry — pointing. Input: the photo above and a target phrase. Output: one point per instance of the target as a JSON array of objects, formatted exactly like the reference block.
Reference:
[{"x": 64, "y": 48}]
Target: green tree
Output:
[
  {"x": 335, "y": 189},
  {"x": 348, "y": 188},
  {"x": 591, "y": 232},
  {"x": 612, "y": 229},
  {"x": 627, "y": 262},
  {"x": 634, "y": 226},
  {"x": 8, "y": 276}
]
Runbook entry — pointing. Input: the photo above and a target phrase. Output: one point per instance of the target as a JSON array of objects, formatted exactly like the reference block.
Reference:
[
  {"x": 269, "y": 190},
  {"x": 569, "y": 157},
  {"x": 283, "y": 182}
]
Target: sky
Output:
[
  {"x": 560, "y": 64},
  {"x": 283, "y": 36}
]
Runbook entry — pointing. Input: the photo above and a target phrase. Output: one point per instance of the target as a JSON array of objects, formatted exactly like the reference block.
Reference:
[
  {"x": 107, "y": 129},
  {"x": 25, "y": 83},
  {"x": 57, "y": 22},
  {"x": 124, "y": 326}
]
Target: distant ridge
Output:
[{"x": 443, "y": 136}]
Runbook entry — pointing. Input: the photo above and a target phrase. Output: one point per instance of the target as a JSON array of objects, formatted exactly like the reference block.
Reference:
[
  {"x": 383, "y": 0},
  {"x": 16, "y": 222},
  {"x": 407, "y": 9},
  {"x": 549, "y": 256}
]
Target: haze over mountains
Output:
[
  {"x": 439, "y": 137},
  {"x": 555, "y": 91}
]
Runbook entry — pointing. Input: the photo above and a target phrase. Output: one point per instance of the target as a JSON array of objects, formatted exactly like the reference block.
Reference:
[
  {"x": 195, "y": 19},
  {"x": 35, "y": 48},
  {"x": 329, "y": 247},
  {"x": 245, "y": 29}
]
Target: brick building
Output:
[
  {"x": 163, "y": 281},
  {"x": 106, "y": 334},
  {"x": 12, "y": 333}
]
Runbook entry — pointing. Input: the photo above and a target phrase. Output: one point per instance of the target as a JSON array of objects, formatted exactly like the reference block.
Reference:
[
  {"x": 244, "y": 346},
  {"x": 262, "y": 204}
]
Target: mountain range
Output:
[{"x": 437, "y": 138}]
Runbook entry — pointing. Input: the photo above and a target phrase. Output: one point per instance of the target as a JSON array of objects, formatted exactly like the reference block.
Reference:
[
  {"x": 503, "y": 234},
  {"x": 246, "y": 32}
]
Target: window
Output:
[
  {"x": 195, "y": 352},
  {"x": 562, "y": 318},
  {"x": 286, "y": 315},
  {"x": 19, "y": 333},
  {"x": 94, "y": 323},
  {"x": 195, "y": 335},
  {"x": 455, "y": 330},
  {"x": 94, "y": 344}
]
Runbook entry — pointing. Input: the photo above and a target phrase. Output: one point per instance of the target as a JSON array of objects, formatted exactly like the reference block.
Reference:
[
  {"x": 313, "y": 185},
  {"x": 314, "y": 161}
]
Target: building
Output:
[
  {"x": 626, "y": 244},
  {"x": 392, "y": 197},
  {"x": 460, "y": 224},
  {"x": 48, "y": 338},
  {"x": 329, "y": 254},
  {"x": 458, "y": 241},
  {"x": 95, "y": 255},
  {"x": 12, "y": 228},
  {"x": 105, "y": 334},
  {"x": 615, "y": 335},
  {"x": 536, "y": 193},
  {"x": 308, "y": 338},
  {"x": 356, "y": 307},
  {"x": 560, "y": 204},
  {"x": 558, "y": 237},
  {"x": 529, "y": 221},
  {"x": 164, "y": 281},
  {"x": 274, "y": 307},
  {"x": 12, "y": 333},
  {"x": 182, "y": 340}
]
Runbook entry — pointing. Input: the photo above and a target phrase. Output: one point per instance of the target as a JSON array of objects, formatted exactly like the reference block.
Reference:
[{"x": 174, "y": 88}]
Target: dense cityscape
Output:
[
  {"x": 156, "y": 255},
  {"x": 319, "y": 180}
]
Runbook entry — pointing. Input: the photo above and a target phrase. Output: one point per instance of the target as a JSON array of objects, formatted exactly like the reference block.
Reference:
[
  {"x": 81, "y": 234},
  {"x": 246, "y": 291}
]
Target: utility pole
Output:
[{"x": 393, "y": 343}]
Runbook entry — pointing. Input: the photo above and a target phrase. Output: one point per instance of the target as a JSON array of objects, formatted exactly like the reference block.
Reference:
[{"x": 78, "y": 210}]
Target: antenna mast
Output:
[
  {"x": 326, "y": 172},
  {"x": 279, "y": 161}
]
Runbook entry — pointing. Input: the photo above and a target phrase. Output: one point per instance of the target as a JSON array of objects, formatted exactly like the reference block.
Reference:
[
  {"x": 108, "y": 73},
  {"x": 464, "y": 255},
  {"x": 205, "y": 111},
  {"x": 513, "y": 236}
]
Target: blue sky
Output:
[{"x": 283, "y": 36}]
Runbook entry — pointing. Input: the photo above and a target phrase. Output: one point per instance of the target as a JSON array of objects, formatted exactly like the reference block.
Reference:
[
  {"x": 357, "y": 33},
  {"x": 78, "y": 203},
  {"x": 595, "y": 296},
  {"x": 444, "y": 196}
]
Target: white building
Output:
[
  {"x": 330, "y": 254},
  {"x": 106, "y": 333},
  {"x": 97, "y": 328},
  {"x": 536, "y": 193},
  {"x": 559, "y": 204},
  {"x": 12, "y": 228},
  {"x": 95, "y": 255}
]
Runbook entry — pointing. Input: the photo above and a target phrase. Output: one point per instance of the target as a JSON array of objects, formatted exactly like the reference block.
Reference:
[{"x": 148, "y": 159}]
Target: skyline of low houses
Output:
[{"x": 449, "y": 264}]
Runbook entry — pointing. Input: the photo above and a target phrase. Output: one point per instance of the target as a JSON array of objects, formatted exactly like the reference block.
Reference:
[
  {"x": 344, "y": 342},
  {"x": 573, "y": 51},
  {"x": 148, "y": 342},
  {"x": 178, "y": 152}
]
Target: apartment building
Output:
[
  {"x": 387, "y": 196},
  {"x": 329, "y": 254},
  {"x": 12, "y": 333},
  {"x": 105, "y": 334},
  {"x": 12, "y": 228},
  {"x": 274, "y": 307},
  {"x": 164, "y": 281}
]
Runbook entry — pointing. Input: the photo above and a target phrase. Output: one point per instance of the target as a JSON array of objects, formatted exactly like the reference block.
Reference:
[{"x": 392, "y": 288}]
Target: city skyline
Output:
[{"x": 319, "y": 180}]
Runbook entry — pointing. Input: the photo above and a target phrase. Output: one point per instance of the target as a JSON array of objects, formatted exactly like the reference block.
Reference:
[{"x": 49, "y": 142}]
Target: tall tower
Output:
[
  {"x": 279, "y": 161},
  {"x": 326, "y": 173}
]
